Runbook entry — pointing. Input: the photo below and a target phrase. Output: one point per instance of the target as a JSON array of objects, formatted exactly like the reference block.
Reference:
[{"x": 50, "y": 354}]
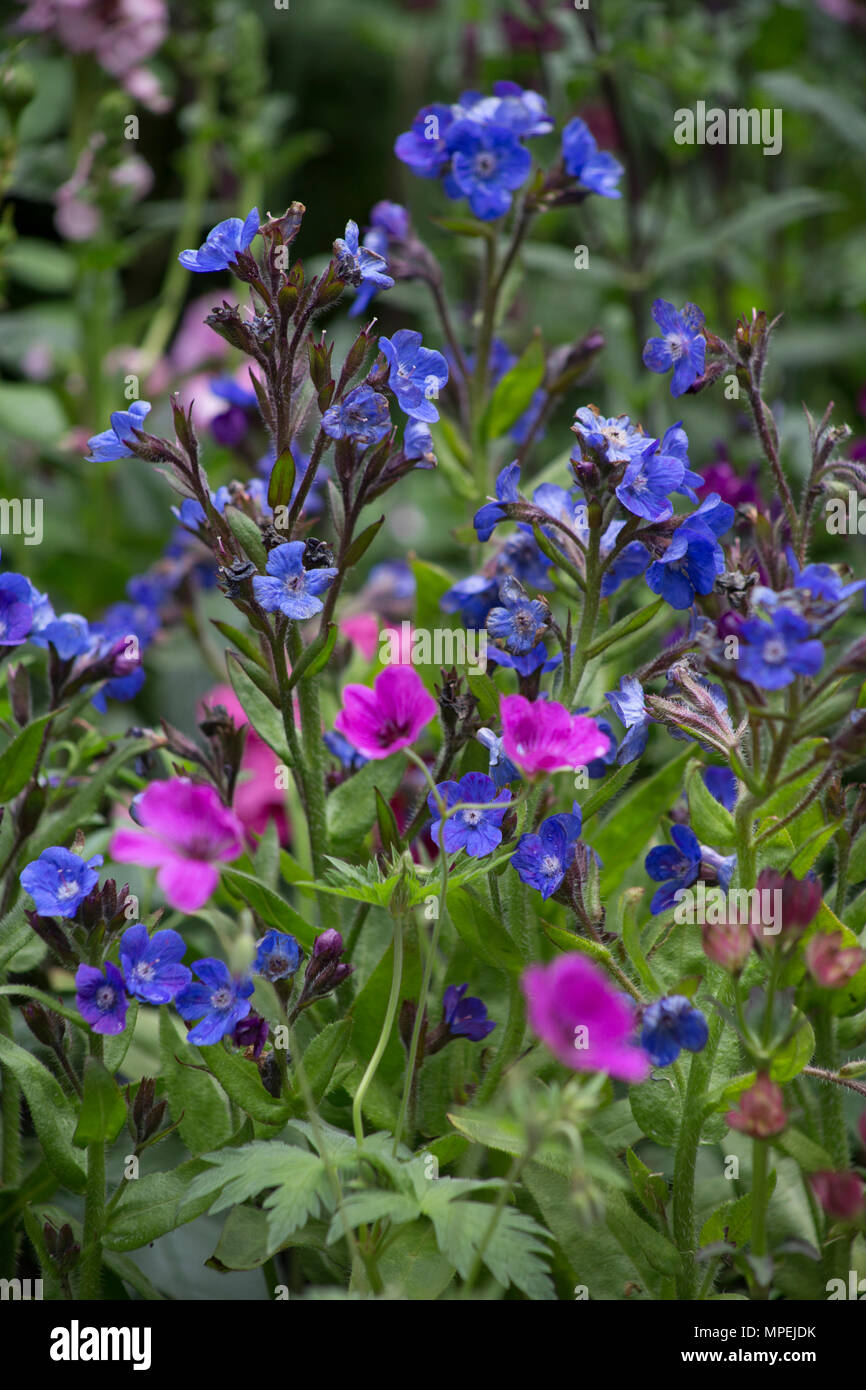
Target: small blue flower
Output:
[
  {"x": 683, "y": 346},
  {"x": 535, "y": 660},
  {"x": 631, "y": 561},
  {"x": 674, "y": 866},
  {"x": 113, "y": 443},
  {"x": 466, "y": 1017},
  {"x": 822, "y": 581},
  {"x": 101, "y": 998},
  {"x": 721, "y": 783},
  {"x": 220, "y": 1001},
  {"x": 616, "y": 440},
  {"x": 595, "y": 169},
  {"x": 501, "y": 768},
  {"x": 542, "y": 860},
  {"x": 278, "y": 956},
  {"x": 488, "y": 517},
  {"x": 362, "y": 416},
  {"x": 151, "y": 964},
  {"x": 476, "y": 831},
  {"x": 224, "y": 244},
  {"x": 472, "y": 598},
  {"x": 675, "y": 444},
  {"x": 774, "y": 653},
  {"x": 694, "y": 558},
  {"x": 359, "y": 265},
  {"x": 289, "y": 588},
  {"x": 69, "y": 635},
  {"x": 628, "y": 705},
  {"x": 16, "y": 613},
  {"x": 669, "y": 1025},
  {"x": 517, "y": 108},
  {"x": 418, "y": 444},
  {"x": 58, "y": 881},
  {"x": 646, "y": 483},
  {"x": 520, "y": 622},
  {"x": 122, "y": 688},
  {"x": 417, "y": 374},
  {"x": 424, "y": 147},
  {"x": 489, "y": 164},
  {"x": 343, "y": 750}
]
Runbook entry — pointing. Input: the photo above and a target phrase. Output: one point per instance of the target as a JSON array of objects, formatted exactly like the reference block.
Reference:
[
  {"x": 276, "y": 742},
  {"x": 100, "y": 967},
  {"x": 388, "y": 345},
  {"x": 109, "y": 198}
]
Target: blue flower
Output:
[
  {"x": 628, "y": 705},
  {"x": 358, "y": 264},
  {"x": 475, "y": 831},
  {"x": 472, "y": 598},
  {"x": 101, "y": 998},
  {"x": 501, "y": 768},
  {"x": 518, "y": 109},
  {"x": 616, "y": 439},
  {"x": 683, "y": 346},
  {"x": 521, "y": 556},
  {"x": 466, "y": 1018},
  {"x": 362, "y": 416},
  {"x": 389, "y": 222},
  {"x": 525, "y": 665},
  {"x": 489, "y": 164},
  {"x": 289, "y": 588},
  {"x": 822, "y": 581},
  {"x": 121, "y": 688},
  {"x": 488, "y": 517},
  {"x": 675, "y": 444},
  {"x": 151, "y": 964},
  {"x": 220, "y": 1001},
  {"x": 646, "y": 483},
  {"x": 58, "y": 881},
  {"x": 519, "y": 623},
  {"x": 343, "y": 750},
  {"x": 417, "y": 374},
  {"x": 694, "y": 557},
  {"x": 774, "y": 653},
  {"x": 721, "y": 783},
  {"x": 418, "y": 444},
  {"x": 669, "y": 1025},
  {"x": 595, "y": 169},
  {"x": 631, "y": 561},
  {"x": 278, "y": 956},
  {"x": 674, "y": 866},
  {"x": 113, "y": 443},
  {"x": 424, "y": 147},
  {"x": 69, "y": 635},
  {"x": 224, "y": 244},
  {"x": 16, "y": 614},
  {"x": 542, "y": 860}
]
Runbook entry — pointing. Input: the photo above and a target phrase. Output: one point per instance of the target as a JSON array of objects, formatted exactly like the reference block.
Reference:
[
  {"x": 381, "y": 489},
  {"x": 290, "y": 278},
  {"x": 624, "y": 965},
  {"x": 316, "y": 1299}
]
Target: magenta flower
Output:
[
  {"x": 584, "y": 1021},
  {"x": 390, "y": 716},
  {"x": 541, "y": 736},
  {"x": 185, "y": 831}
]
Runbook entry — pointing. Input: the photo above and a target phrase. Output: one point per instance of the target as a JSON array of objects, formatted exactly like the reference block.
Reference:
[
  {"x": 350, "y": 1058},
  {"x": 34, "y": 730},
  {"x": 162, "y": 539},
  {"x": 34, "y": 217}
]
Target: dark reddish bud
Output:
[
  {"x": 46, "y": 1026},
  {"x": 63, "y": 1249},
  {"x": 251, "y": 1033},
  {"x": 840, "y": 1194},
  {"x": 146, "y": 1112}
]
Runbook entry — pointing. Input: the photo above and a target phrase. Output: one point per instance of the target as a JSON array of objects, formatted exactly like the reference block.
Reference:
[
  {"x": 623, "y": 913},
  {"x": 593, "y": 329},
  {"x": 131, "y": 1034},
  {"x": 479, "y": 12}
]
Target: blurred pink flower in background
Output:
[
  {"x": 257, "y": 798},
  {"x": 120, "y": 34},
  {"x": 362, "y": 630}
]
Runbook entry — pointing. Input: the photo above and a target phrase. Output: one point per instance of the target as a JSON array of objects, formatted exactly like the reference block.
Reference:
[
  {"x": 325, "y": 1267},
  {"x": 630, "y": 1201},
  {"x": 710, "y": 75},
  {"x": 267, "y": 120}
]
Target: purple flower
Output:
[
  {"x": 113, "y": 443},
  {"x": 519, "y": 623},
  {"x": 59, "y": 880},
  {"x": 151, "y": 965},
  {"x": 628, "y": 705},
  {"x": 488, "y": 517},
  {"x": 670, "y": 1025},
  {"x": 417, "y": 374},
  {"x": 278, "y": 956},
  {"x": 224, "y": 244},
  {"x": 465, "y": 1017},
  {"x": 287, "y": 587},
  {"x": 476, "y": 831},
  {"x": 489, "y": 164},
  {"x": 388, "y": 717},
  {"x": 584, "y": 1021},
  {"x": 543, "y": 860},
  {"x": 359, "y": 265},
  {"x": 101, "y": 999},
  {"x": 220, "y": 1001},
  {"x": 595, "y": 169},
  {"x": 683, "y": 346},
  {"x": 16, "y": 614},
  {"x": 252, "y": 1031},
  {"x": 362, "y": 416},
  {"x": 542, "y": 737},
  {"x": 774, "y": 653}
]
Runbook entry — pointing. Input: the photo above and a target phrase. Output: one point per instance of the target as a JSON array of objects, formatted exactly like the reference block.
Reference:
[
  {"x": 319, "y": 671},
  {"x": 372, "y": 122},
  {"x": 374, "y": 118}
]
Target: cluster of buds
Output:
[
  {"x": 325, "y": 971},
  {"x": 145, "y": 1112},
  {"x": 698, "y": 713}
]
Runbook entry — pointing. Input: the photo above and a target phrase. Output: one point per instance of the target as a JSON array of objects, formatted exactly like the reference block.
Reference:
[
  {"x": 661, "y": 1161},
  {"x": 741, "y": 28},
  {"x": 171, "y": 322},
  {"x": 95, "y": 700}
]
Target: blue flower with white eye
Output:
[
  {"x": 417, "y": 374},
  {"x": 219, "y": 999},
  {"x": 669, "y": 1025},
  {"x": 682, "y": 347},
  {"x": 477, "y": 830},
  {"x": 628, "y": 705},
  {"x": 543, "y": 859},
  {"x": 287, "y": 587},
  {"x": 646, "y": 483},
  {"x": 694, "y": 559},
  {"x": 772, "y": 654},
  {"x": 224, "y": 244},
  {"x": 616, "y": 440},
  {"x": 114, "y": 443},
  {"x": 151, "y": 965},
  {"x": 59, "y": 881},
  {"x": 518, "y": 624},
  {"x": 488, "y": 165},
  {"x": 278, "y": 956},
  {"x": 595, "y": 169},
  {"x": 362, "y": 416}
]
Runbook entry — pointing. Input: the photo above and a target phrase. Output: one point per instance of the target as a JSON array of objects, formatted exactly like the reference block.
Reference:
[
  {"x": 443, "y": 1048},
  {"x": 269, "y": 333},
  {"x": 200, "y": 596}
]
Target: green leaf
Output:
[
  {"x": 316, "y": 656},
  {"x": 465, "y": 226},
  {"x": 350, "y": 809},
  {"x": 154, "y": 1205},
  {"x": 711, "y": 822},
  {"x": 260, "y": 679},
  {"x": 31, "y": 412},
  {"x": 242, "y": 1082},
  {"x": 273, "y": 910},
  {"x": 610, "y": 787},
  {"x": 486, "y": 694},
  {"x": 625, "y": 834},
  {"x": 389, "y": 833},
  {"x": 15, "y": 933},
  {"x": 651, "y": 1189},
  {"x": 483, "y": 933},
  {"x": 323, "y": 1054},
  {"x": 282, "y": 481},
  {"x": 513, "y": 393},
  {"x": 361, "y": 544},
  {"x": 53, "y": 1114},
  {"x": 299, "y": 1179},
  {"x": 412, "y": 1265},
  {"x": 242, "y": 641},
  {"x": 632, "y": 622},
  {"x": 103, "y": 1108},
  {"x": 363, "y": 1208},
  {"x": 857, "y": 859},
  {"x": 58, "y": 827},
  {"x": 509, "y": 1136},
  {"x": 263, "y": 717},
  {"x": 642, "y": 1241},
  {"x": 431, "y": 582},
  {"x": 19, "y": 759},
  {"x": 515, "y": 1254},
  {"x": 732, "y": 1221},
  {"x": 797, "y": 1145},
  {"x": 193, "y": 1097},
  {"x": 247, "y": 532}
]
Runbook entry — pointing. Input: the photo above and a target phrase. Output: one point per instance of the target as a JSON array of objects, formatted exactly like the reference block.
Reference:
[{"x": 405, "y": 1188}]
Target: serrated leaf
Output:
[{"x": 515, "y": 1254}]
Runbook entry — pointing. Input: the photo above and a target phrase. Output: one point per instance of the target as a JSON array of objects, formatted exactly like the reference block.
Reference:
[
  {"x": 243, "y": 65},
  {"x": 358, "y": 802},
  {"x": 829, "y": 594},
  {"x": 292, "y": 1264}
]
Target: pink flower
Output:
[
  {"x": 830, "y": 964},
  {"x": 541, "y": 736},
  {"x": 390, "y": 716},
  {"x": 762, "y": 1110},
  {"x": 362, "y": 630},
  {"x": 185, "y": 831},
  {"x": 840, "y": 1194},
  {"x": 257, "y": 798},
  {"x": 584, "y": 1021}
]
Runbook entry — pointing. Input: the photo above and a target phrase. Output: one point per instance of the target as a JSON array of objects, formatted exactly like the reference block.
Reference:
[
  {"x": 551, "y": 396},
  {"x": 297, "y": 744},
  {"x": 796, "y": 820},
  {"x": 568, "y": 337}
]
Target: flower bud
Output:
[
  {"x": 729, "y": 944},
  {"x": 146, "y": 1113},
  {"x": 840, "y": 1194},
  {"x": 761, "y": 1112},
  {"x": 63, "y": 1249},
  {"x": 46, "y": 1026},
  {"x": 830, "y": 963}
]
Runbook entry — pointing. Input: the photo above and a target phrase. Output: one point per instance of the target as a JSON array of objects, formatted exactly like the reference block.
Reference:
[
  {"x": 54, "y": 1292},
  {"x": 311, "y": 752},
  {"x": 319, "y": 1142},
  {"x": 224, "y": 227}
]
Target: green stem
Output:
[
  {"x": 510, "y": 1043},
  {"x": 830, "y": 1097},
  {"x": 388, "y": 1024},
  {"x": 94, "y": 1207},
  {"x": 11, "y": 1109},
  {"x": 314, "y": 758}
]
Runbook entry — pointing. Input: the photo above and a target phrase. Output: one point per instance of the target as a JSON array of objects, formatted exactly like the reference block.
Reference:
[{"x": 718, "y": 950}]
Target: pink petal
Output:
[
  {"x": 187, "y": 883},
  {"x": 137, "y": 847}
]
